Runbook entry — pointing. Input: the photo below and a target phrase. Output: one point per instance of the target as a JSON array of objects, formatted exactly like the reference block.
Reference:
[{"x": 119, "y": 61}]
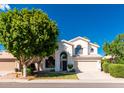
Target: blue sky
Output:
[{"x": 99, "y": 23}]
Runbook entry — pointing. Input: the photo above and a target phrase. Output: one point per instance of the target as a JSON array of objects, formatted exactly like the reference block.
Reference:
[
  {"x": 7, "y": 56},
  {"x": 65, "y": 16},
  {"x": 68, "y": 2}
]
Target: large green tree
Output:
[
  {"x": 29, "y": 35},
  {"x": 115, "y": 49}
]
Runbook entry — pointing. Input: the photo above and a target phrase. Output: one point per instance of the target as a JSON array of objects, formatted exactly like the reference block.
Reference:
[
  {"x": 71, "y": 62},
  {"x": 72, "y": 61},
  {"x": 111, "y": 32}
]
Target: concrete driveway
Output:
[{"x": 94, "y": 75}]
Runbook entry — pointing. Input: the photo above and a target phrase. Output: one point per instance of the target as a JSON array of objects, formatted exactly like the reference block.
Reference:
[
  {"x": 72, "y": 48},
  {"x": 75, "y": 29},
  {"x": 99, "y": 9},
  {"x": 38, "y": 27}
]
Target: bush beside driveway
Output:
[
  {"x": 105, "y": 67},
  {"x": 115, "y": 70}
]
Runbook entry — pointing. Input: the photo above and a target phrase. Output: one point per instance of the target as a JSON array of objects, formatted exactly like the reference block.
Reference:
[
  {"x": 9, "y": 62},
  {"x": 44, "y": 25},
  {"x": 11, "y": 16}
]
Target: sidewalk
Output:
[
  {"x": 88, "y": 77},
  {"x": 64, "y": 81}
]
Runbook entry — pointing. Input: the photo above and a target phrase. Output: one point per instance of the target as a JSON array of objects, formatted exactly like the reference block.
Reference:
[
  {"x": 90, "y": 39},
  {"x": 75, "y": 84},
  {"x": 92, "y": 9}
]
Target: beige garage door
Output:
[
  {"x": 7, "y": 66},
  {"x": 87, "y": 66}
]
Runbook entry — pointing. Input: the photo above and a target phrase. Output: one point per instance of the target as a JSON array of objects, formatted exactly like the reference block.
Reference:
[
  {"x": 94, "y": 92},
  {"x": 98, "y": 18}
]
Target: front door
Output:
[
  {"x": 63, "y": 60},
  {"x": 64, "y": 65}
]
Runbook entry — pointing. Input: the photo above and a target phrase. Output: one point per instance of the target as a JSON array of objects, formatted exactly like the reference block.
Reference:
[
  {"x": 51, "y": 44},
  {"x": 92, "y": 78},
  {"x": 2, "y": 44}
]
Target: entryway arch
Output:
[{"x": 63, "y": 61}]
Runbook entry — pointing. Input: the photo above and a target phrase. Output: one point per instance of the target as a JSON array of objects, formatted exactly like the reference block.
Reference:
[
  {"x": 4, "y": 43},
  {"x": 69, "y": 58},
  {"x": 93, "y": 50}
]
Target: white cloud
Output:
[
  {"x": 7, "y": 7},
  {"x": 4, "y": 7}
]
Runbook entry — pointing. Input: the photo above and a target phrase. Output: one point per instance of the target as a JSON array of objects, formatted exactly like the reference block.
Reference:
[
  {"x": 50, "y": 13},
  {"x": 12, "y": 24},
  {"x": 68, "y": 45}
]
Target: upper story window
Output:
[
  {"x": 91, "y": 50},
  {"x": 78, "y": 50}
]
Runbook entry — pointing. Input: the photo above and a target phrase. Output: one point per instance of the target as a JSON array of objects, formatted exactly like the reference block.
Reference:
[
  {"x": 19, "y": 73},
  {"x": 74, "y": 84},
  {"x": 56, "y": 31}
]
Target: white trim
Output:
[
  {"x": 96, "y": 45},
  {"x": 67, "y": 42},
  {"x": 79, "y": 37}
]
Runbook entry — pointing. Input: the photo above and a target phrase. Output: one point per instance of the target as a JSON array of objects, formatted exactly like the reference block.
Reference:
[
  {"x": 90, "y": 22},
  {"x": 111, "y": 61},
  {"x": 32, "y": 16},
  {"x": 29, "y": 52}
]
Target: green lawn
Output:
[{"x": 54, "y": 75}]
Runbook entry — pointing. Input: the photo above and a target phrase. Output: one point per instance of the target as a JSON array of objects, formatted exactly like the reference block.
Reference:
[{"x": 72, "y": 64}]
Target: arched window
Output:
[
  {"x": 63, "y": 55},
  {"x": 91, "y": 50},
  {"x": 78, "y": 50}
]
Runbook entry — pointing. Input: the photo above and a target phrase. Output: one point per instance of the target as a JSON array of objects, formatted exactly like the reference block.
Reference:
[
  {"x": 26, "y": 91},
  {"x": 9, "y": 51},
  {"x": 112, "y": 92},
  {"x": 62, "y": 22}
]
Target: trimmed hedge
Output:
[
  {"x": 105, "y": 67},
  {"x": 116, "y": 70}
]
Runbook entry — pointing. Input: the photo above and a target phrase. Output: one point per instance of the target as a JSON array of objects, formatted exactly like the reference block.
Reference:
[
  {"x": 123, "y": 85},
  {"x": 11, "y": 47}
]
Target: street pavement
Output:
[{"x": 61, "y": 85}]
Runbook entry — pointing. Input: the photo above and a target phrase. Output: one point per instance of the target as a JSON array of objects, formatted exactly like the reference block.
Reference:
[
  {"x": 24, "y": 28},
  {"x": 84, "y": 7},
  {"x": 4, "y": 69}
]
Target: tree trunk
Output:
[
  {"x": 20, "y": 66},
  {"x": 24, "y": 70},
  {"x": 38, "y": 66}
]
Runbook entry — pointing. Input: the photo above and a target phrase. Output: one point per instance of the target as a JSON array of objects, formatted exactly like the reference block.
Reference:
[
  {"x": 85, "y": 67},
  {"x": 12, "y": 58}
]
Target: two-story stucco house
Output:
[{"x": 78, "y": 51}]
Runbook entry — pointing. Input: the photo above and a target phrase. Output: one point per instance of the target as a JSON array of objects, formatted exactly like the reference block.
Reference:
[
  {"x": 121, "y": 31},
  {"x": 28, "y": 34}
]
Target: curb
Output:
[{"x": 61, "y": 81}]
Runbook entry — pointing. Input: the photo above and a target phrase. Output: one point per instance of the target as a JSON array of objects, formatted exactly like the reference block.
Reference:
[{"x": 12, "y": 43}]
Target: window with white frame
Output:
[
  {"x": 91, "y": 50},
  {"x": 78, "y": 50}
]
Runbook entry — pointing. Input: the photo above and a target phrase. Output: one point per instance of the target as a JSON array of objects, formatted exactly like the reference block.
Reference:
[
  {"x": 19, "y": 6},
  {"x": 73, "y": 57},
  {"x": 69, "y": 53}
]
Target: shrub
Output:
[
  {"x": 103, "y": 61},
  {"x": 105, "y": 67},
  {"x": 70, "y": 66},
  {"x": 116, "y": 70},
  {"x": 29, "y": 71},
  {"x": 120, "y": 61}
]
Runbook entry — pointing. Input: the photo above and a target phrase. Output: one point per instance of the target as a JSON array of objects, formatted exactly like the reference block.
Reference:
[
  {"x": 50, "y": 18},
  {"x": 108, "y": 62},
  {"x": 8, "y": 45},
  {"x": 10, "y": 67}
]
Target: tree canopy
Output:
[
  {"x": 28, "y": 33},
  {"x": 115, "y": 48}
]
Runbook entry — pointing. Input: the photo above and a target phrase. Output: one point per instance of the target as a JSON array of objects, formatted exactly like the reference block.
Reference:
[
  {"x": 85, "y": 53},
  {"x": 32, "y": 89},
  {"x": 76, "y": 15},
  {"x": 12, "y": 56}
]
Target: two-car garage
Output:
[
  {"x": 83, "y": 66},
  {"x": 87, "y": 64}
]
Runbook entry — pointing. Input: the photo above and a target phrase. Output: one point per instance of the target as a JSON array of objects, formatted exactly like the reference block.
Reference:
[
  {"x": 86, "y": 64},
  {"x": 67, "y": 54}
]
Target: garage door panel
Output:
[{"x": 87, "y": 66}]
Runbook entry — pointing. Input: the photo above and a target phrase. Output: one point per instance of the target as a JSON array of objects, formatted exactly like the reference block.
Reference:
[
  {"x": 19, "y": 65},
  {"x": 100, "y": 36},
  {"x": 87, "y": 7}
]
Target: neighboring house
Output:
[
  {"x": 107, "y": 57},
  {"x": 79, "y": 51},
  {"x": 7, "y": 62}
]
